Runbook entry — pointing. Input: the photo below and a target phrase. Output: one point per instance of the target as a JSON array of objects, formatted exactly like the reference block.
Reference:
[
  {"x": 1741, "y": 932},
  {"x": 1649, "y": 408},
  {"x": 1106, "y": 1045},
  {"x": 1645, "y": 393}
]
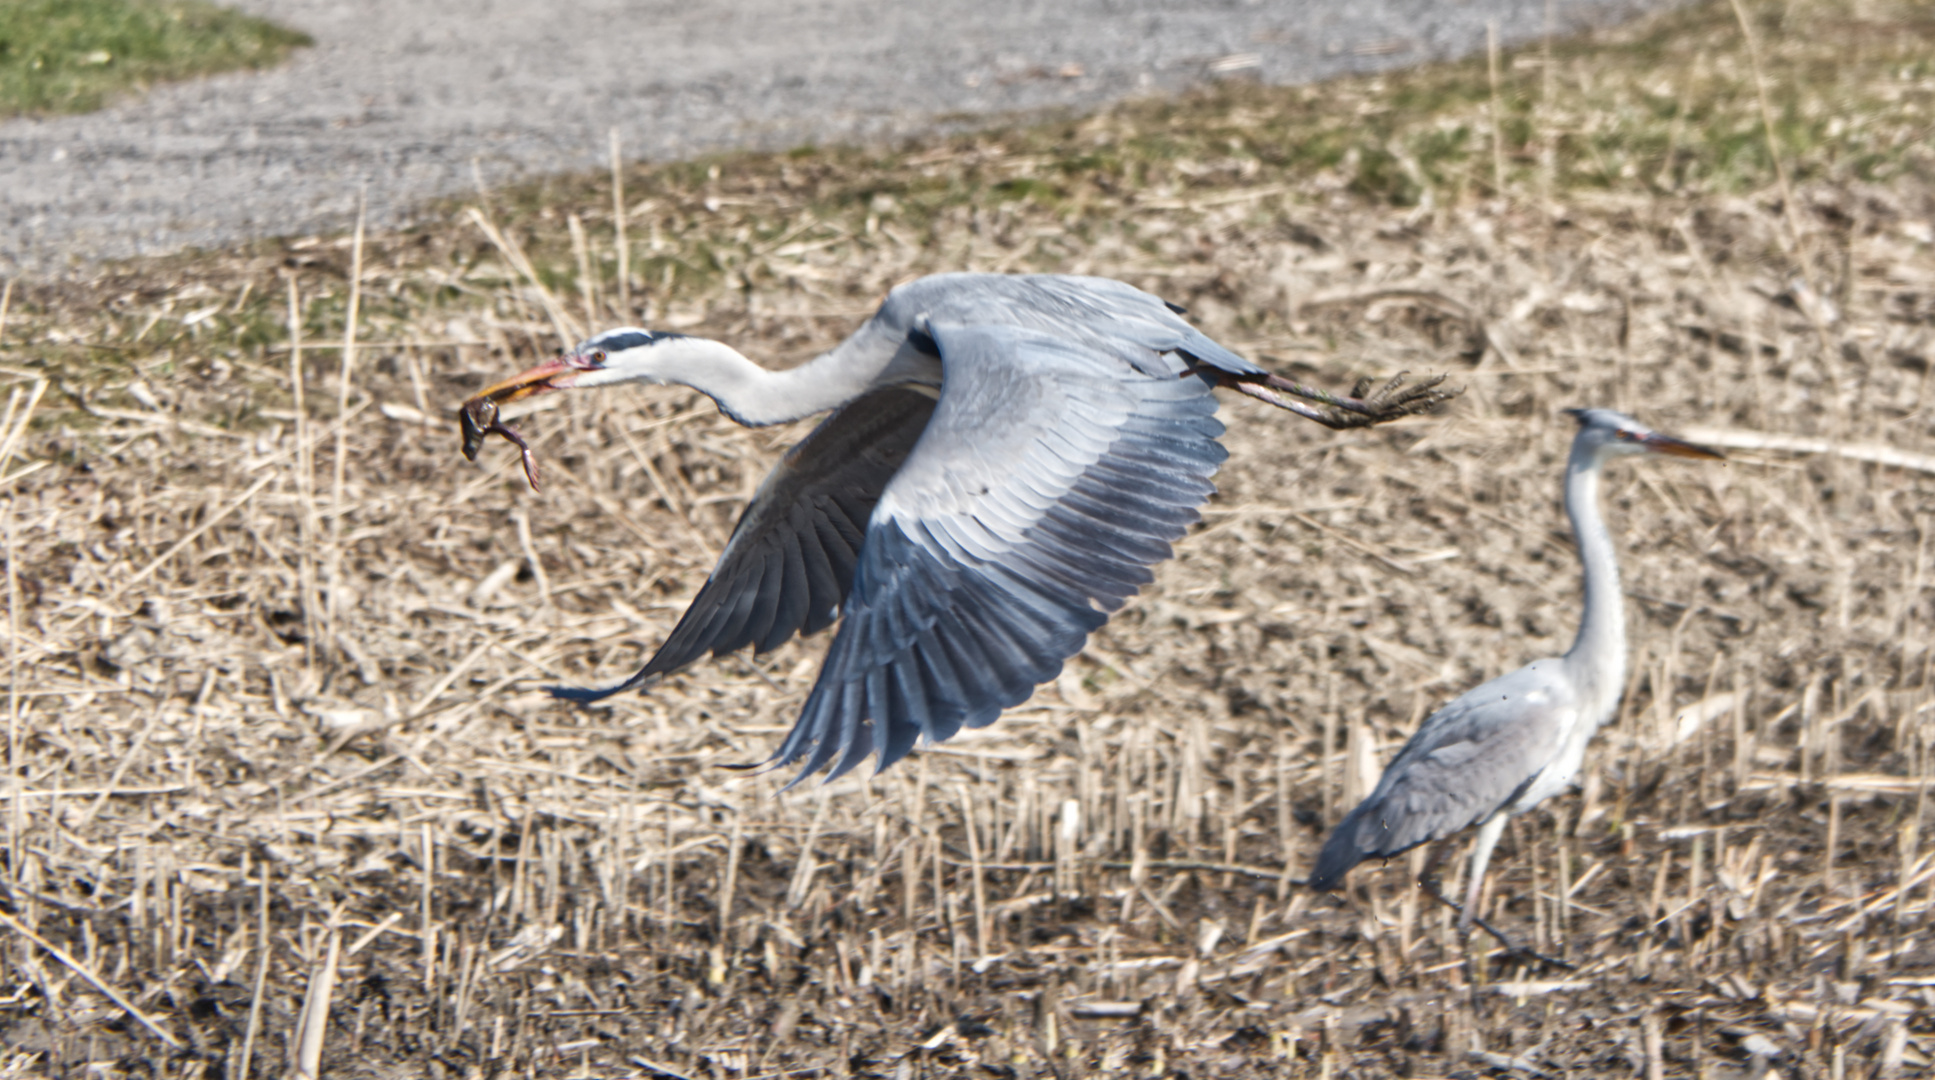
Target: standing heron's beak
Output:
[{"x": 1667, "y": 444}]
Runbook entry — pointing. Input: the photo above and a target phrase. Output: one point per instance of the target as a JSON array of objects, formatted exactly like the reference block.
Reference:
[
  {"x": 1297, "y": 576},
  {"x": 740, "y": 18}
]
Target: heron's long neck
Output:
[
  {"x": 749, "y": 393},
  {"x": 1598, "y": 655}
]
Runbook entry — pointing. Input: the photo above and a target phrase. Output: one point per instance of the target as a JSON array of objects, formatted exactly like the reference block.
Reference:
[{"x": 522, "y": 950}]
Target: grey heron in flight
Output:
[
  {"x": 1005, "y": 458},
  {"x": 1503, "y": 748}
]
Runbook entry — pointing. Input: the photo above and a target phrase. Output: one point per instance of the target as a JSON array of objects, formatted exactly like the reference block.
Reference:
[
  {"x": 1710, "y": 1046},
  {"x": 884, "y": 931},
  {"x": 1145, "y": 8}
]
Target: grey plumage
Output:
[
  {"x": 1506, "y": 746},
  {"x": 1470, "y": 759},
  {"x": 981, "y": 576},
  {"x": 790, "y": 560},
  {"x": 1005, "y": 459}
]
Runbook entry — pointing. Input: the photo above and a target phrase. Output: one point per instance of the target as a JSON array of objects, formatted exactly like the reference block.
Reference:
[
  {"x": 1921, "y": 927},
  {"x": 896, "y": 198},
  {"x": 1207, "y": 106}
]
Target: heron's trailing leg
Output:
[
  {"x": 1481, "y": 855},
  {"x": 1362, "y": 407}
]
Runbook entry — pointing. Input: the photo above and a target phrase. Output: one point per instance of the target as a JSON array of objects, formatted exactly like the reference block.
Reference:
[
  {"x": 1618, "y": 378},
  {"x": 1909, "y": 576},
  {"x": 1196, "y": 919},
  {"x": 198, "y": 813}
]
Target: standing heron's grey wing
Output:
[
  {"x": 1053, "y": 475},
  {"x": 1467, "y": 761},
  {"x": 791, "y": 558}
]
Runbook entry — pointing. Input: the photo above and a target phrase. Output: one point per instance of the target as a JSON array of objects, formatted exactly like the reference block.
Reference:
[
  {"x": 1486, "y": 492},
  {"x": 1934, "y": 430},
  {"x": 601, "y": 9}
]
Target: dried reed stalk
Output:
[
  {"x": 92, "y": 979},
  {"x": 1497, "y": 108},
  {"x": 587, "y": 286},
  {"x": 567, "y": 331},
  {"x": 17, "y": 808},
  {"x": 619, "y": 244},
  {"x": 346, "y": 368},
  {"x": 265, "y": 947},
  {"x": 312, "y": 1024}
]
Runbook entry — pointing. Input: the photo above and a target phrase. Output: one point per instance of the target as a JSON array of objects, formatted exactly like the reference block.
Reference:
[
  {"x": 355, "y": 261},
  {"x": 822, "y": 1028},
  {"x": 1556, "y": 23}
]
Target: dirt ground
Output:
[{"x": 283, "y": 765}]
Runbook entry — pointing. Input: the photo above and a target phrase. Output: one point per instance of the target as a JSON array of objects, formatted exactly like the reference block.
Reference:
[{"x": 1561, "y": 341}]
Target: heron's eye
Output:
[
  {"x": 1626, "y": 435},
  {"x": 598, "y": 356}
]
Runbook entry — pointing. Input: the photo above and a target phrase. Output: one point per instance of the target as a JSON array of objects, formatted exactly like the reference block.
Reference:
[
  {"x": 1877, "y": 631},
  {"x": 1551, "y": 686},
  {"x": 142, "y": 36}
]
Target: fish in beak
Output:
[{"x": 480, "y": 419}]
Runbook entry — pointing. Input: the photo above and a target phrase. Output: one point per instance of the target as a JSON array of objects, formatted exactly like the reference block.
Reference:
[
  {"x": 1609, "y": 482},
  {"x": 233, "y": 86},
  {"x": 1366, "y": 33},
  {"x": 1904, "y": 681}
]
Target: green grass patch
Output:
[{"x": 75, "y": 55}]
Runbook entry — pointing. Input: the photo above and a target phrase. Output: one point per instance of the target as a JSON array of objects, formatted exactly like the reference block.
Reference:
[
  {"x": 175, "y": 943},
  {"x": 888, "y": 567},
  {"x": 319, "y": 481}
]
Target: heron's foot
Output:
[
  {"x": 1390, "y": 400},
  {"x": 1520, "y": 953},
  {"x": 1467, "y": 921},
  {"x": 1366, "y": 404}
]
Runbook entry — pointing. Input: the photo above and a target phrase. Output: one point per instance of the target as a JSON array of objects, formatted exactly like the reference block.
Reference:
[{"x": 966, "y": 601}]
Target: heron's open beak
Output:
[{"x": 1667, "y": 444}]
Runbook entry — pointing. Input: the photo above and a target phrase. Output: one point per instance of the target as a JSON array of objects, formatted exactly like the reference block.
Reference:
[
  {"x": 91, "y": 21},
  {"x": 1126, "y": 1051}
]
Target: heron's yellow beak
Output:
[
  {"x": 1667, "y": 444},
  {"x": 524, "y": 384}
]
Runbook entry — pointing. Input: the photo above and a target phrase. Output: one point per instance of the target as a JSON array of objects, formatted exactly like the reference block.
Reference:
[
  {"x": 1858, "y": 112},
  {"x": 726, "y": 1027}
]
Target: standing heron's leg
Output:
[{"x": 1481, "y": 857}]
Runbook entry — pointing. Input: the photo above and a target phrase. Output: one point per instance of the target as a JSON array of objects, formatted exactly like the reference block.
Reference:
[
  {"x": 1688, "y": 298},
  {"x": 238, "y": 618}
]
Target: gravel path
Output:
[{"x": 402, "y": 96}]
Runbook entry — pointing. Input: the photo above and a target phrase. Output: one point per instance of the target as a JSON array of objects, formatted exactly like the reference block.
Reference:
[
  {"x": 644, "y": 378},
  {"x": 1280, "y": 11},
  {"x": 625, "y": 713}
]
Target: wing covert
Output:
[
  {"x": 1467, "y": 761},
  {"x": 1053, "y": 474}
]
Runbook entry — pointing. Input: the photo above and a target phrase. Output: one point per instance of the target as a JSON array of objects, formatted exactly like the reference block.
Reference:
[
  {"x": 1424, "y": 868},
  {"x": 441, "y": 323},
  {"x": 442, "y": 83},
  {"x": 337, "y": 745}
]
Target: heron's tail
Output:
[{"x": 1341, "y": 852}]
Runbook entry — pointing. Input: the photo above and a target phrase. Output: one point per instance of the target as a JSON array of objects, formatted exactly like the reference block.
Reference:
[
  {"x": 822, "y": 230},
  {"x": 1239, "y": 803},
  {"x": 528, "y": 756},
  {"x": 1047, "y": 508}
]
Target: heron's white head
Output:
[
  {"x": 627, "y": 354},
  {"x": 1604, "y": 433}
]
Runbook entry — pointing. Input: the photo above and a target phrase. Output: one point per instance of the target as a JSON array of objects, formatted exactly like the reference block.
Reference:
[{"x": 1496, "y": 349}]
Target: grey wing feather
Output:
[
  {"x": 1467, "y": 761},
  {"x": 1054, "y": 472},
  {"x": 1110, "y": 317},
  {"x": 791, "y": 558}
]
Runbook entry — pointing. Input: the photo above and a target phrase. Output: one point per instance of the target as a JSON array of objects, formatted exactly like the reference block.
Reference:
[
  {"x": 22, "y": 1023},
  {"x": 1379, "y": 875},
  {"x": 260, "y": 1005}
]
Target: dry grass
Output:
[{"x": 283, "y": 776}]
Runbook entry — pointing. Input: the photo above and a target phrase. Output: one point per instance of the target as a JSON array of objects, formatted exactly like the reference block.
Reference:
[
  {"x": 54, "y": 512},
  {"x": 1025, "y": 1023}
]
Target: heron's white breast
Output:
[{"x": 1563, "y": 769}]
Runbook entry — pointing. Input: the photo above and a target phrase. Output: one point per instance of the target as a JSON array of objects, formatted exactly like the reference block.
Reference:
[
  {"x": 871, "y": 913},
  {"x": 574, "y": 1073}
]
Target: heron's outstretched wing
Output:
[
  {"x": 791, "y": 558},
  {"x": 1053, "y": 474},
  {"x": 1467, "y": 761},
  {"x": 1142, "y": 332}
]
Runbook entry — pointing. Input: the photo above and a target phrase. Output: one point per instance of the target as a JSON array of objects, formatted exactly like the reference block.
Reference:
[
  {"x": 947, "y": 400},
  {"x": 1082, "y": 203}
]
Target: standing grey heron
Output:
[
  {"x": 1006, "y": 458},
  {"x": 1503, "y": 748}
]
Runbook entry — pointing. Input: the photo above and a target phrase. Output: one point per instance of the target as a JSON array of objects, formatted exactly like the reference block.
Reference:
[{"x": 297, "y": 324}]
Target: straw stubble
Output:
[{"x": 584, "y": 885}]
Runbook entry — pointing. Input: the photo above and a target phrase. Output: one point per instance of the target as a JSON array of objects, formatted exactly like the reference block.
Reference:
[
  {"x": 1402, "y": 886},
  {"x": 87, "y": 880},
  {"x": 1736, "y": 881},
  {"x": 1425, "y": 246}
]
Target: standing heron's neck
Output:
[
  {"x": 748, "y": 393},
  {"x": 1598, "y": 655}
]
